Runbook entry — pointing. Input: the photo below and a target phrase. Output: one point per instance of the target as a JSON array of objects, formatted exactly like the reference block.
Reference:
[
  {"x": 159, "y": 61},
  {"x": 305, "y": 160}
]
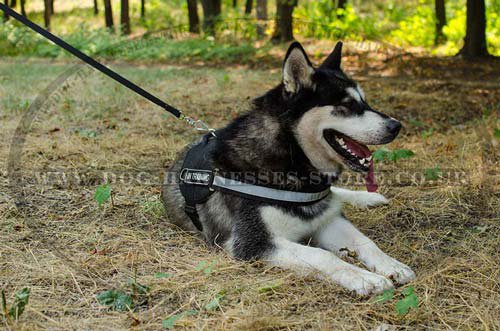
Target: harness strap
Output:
[{"x": 263, "y": 193}]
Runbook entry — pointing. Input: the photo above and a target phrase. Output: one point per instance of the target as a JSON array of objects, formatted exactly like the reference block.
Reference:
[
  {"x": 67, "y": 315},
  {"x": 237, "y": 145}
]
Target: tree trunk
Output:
[
  {"x": 125, "y": 17},
  {"x": 143, "y": 9},
  {"x": 261, "y": 9},
  {"x": 283, "y": 30},
  {"x": 108, "y": 15},
  {"x": 13, "y": 4},
  {"x": 52, "y": 11},
  {"x": 475, "y": 35},
  {"x": 46, "y": 13},
  {"x": 23, "y": 8},
  {"x": 96, "y": 8},
  {"x": 235, "y": 3},
  {"x": 248, "y": 7},
  {"x": 194, "y": 20},
  {"x": 211, "y": 12},
  {"x": 341, "y": 5},
  {"x": 440, "y": 21},
  {"x": 5, "y": 16}
]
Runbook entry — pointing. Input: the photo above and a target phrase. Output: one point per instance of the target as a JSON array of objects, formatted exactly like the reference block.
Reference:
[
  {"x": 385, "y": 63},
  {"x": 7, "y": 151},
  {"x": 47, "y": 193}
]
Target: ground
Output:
[{"x": 57, "y": 241}]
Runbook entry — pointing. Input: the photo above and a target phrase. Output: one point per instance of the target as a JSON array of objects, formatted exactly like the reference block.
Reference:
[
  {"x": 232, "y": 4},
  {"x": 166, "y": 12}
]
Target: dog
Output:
[{"x": 317, "y": 120}]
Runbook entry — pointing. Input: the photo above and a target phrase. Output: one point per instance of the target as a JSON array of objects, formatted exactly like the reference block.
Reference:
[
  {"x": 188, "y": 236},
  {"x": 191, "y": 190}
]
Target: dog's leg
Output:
[
  {"x": 359, "y": 198},
  {"x": 340, "y": 236},
  {"x": 306, "y": 259}
]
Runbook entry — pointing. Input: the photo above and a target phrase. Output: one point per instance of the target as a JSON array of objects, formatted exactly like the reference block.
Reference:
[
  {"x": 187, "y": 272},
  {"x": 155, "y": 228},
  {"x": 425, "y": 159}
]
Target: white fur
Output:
[
  {"x": 354, "y": 93},
  {"x": 333, "y": 233},
  {"x": 360, "y": 199},
  {"x": 340, "y": 235},
  {"x": 325, "y": 265}
]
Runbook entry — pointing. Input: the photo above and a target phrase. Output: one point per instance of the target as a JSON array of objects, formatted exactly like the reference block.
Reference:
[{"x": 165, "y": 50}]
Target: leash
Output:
[{"x": 198, "y": 125}]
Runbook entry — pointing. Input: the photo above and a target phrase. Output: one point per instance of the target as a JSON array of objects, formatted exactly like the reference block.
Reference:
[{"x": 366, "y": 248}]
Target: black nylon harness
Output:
[{"x": 198, "y": 180}]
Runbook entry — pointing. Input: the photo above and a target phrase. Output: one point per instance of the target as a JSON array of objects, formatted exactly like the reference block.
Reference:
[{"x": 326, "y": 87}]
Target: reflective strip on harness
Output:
[{"x": 262, "y": 192}]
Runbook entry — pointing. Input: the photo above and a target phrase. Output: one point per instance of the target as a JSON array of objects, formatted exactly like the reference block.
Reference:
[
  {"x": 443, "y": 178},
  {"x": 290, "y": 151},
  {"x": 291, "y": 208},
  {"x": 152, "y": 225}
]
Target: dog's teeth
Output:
[
  {"x": 362, "y": 161},
  {"x": 369, "y": 158},
  {"x": 341, "y": 141}
]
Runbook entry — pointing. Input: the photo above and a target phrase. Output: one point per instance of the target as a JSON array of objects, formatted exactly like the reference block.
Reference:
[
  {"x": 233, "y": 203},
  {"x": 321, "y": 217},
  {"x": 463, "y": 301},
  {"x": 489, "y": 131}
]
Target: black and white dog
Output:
[{"x": 316, "y": 121}]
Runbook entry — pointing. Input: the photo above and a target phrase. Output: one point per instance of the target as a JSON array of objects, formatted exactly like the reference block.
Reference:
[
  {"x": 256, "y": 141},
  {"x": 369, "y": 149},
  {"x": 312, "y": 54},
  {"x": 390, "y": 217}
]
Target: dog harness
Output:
[{"x": 198, "y": 180}]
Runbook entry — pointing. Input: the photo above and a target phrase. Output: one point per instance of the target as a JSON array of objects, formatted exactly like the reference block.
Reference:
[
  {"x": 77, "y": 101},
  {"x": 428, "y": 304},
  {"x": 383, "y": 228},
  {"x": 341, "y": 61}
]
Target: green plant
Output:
[
  {"x": 384, "y": 154},
  {"x": 169, "y": 323},
  {"x": 102, "y": 194},
  {"x": 206, "y": 267},
  {"x": 433, "y": 173},
  {"x": 134, "y": 296},
  {"x": 402, "y": 306},
  {"x": 21, "y": 299}
]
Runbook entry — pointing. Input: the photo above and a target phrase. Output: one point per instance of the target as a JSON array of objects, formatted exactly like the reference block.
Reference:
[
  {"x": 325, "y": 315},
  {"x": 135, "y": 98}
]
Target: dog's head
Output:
[{"x": 332, "y": 120}]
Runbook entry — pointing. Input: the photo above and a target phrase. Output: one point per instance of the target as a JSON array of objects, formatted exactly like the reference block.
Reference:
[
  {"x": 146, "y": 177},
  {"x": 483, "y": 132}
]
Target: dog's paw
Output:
[
  {"x": 399, "y": 272},
  {"x": 370, "y": 199},
  {"x": 364, "y": 283}
]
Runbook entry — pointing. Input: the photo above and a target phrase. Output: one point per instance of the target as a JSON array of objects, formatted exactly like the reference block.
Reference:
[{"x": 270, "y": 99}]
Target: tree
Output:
[
  {"x": 194, "y": 20},
  {"x": 13, "y": 4},
  {"x": 235, "y": 3},
  {"x": 283, "y": 30},
  {"x": 125, "y": 17},
  {"x": 211, "y": 12},
  {"x": 261, "y": 9},
  {"x": 108, "y": 15},
  {"x": 23, "y": 8},
  {"x": 5, "y": 15},
  {"x": 475, "y": 35},
  {"x": 143, "y": 9},
  {"x": 46, "y": 13},
  {"x": 248, "y": 7},
  {"x": 96, "y": 8},
  {"x": 440, "y": 21},
  {"x": 341, "y": 5},
  {"x": 52, "y": 12}
]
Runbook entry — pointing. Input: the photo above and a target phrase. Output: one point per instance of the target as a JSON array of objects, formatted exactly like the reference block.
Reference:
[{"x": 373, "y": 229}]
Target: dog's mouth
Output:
[{"x": 354, "y": 154}]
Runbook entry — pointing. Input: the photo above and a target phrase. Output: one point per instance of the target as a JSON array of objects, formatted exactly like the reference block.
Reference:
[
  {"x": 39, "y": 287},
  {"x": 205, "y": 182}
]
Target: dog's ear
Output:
[
  {"x": 297, "y": 69},
  {"x": 333, "y": 60}
]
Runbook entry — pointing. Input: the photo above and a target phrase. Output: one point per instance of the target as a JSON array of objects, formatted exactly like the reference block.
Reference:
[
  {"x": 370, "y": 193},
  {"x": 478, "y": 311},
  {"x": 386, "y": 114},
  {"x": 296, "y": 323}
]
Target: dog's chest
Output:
[{"x": 282, "y": 224}]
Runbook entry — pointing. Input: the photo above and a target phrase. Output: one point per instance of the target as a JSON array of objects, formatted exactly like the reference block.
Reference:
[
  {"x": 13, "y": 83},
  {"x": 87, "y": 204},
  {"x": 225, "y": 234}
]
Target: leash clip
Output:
[{"x": 199, "y": 125}]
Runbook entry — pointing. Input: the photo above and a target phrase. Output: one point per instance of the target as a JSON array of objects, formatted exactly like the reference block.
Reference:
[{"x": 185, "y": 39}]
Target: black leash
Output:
[{"x": 198, "y": 124}]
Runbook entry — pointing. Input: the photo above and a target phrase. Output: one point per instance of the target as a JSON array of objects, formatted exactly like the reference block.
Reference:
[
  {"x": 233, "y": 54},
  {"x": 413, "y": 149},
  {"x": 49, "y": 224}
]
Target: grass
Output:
[{"x": 68, "y": 251}]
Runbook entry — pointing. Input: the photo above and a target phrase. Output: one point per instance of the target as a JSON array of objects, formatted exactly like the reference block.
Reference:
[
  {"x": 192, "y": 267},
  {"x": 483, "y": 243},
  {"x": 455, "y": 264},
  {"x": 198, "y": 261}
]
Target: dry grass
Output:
[{"x": 67, "y": 250}]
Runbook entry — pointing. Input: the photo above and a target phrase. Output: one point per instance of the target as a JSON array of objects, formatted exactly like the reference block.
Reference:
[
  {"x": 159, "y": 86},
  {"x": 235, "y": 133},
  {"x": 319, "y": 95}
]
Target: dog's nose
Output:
[{"x": 394, "y": 126}]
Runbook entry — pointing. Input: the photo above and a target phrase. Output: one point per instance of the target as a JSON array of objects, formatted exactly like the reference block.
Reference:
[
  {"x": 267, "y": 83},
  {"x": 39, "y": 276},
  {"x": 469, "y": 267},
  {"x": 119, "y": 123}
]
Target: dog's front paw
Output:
[
  {"x": 364, "y": 283},
  {"x": 399, "y": 272},
  {"x": 371, "y": 199}
]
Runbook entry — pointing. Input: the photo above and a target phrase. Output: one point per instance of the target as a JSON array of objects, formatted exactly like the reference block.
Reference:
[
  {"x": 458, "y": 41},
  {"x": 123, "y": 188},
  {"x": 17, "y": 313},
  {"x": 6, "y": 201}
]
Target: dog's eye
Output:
[{"x": 353, "y": 105}]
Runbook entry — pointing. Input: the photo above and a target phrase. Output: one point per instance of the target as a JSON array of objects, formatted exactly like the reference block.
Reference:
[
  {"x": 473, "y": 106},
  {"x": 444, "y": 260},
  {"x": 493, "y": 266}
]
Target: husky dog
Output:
[{"x": 315, "y": 120}]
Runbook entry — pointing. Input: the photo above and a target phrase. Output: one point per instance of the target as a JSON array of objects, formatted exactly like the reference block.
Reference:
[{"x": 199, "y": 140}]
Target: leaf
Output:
[
  {"x": 214, "y": 303},
  {"x": 115, "y": 299},
  {"x": 497, "y": 133},
  {"x": 404, "y": 305},
  {"x": 270, "y": 287},
  {"x": 201, "y": 265},
  {"x": 408, "y": 291},
  {"x": 427, "y": 133},
  {"x": 102, "y": 194},
  {"x": 161, "y": 275},
  {"x": 433, "y": 173},
  {"x": 210, "y": 268},
  {"x": 20, "y": 301},
  {"x": 170, "y": 322},
  {"x": 403, "y": 153},
  {"x": 385, "y": 296},
  {"x": 380, "y": 154},
  {"x": 135, "y": 286}
]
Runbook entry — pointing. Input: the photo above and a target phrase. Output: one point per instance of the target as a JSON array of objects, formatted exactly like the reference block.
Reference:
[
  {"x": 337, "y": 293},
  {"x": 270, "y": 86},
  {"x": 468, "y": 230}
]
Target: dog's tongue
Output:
[{"x": 362, "y": 151}]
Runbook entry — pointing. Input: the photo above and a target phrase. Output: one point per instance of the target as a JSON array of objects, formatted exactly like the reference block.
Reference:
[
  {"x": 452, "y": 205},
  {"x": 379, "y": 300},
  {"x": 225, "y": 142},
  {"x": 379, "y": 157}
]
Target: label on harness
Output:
[{"x": 196, "y": 176}]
